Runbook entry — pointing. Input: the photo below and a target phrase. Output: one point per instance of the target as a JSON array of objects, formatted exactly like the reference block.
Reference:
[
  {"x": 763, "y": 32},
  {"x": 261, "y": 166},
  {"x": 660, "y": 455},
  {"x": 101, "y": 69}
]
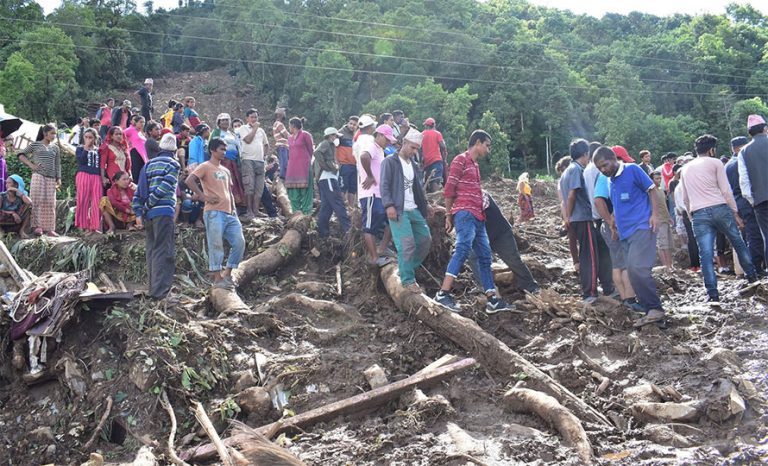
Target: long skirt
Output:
[
  {"x": 238, "y": 192},
  {"x": 302, "y": 198},
  {"x": 88, "y": 194},
  {"x": 43, "y": 195},
  {"x": 526, "y": 207}
]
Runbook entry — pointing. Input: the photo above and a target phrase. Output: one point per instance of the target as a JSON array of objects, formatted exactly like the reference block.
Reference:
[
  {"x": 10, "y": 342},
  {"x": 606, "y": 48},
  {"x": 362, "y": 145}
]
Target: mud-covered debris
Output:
[
  {"x": 665, "y": 435},
  {"x": 727, "y": 358},
  {"x": 255, "y": 401},
  {"x": 375, "y": 376},
  {"x": 724, "y": 401},
  {"x": 141, "y": 377},
  {"x": 73, "y": 377},
  {"x": 94, "y": 459},
  {"x": 669, "y": 412},
  {"x": 640, "y": 393},
  {"x": 41, "y": 435},
  {"x": 244, "y": 380},
  {"x": 462, "y": 441}
]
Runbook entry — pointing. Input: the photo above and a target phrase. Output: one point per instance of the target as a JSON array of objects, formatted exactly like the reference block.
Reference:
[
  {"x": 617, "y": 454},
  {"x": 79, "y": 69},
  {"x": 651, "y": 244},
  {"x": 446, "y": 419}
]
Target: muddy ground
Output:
[{"x": 133, "y": 352}]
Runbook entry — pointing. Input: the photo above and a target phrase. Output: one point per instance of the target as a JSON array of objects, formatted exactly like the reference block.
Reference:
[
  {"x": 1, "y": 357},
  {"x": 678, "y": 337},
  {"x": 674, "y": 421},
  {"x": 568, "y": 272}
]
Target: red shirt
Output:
[
  {"x": 121, "y": 204},
  {"x": 430, "y": 146},
  {"x": 667, "y": 173},
  {"x": 464, "y": 186}
]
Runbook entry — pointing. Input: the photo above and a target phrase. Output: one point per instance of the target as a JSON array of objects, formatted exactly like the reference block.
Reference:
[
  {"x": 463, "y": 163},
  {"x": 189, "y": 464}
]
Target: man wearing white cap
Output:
[
  {"x": 405, "y": 201},
  {"x": 331, "y": 200},
  {"x": 146, "y": 98},
  {"x": 753, "y": 174},
  {"x": 368, "y": 190}
]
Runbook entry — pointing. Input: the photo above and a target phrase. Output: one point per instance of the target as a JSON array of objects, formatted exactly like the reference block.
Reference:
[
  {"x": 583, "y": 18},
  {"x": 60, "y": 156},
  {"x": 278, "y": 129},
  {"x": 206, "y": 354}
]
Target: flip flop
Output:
[{"x": 653, "y": 316}]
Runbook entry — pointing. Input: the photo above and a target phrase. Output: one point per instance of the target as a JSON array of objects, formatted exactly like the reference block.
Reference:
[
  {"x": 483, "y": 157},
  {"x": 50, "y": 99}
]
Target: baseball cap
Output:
[
  {"x": 754, "y": 120},
  {"x": 386, "y": 130},
  {"x": 223, "y": 116},
  {"x": 127, "y": 103},
  {"x": 365, "y": 121},
  {"x": 622, "y": 154},
  {"x": 149, "y": 81},
  {"x": 414, "y": 136},
  {"x": 429, "y": 122},
  {"x": 331, "y": 130},
  {"x": 739, "y": 141}
]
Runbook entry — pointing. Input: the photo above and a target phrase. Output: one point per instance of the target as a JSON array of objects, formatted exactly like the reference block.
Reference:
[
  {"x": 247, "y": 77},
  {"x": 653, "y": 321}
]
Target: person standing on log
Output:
[
  {"x": 220, "y": 215},
  {"x": 464, "y": 209},
  {"x": 369, "y": 193},
  {"x": 635, "y": 210},
  {"x": 594, "y": 258},
  {"x": 405, "y": 201},
  {"x": 503, "y": 243},
  {"x": 331, "y": 198},
  {"x": 281, "y": 134},
  {"x": 154, "y": 204},
  {"x": 708, "y": 197}
]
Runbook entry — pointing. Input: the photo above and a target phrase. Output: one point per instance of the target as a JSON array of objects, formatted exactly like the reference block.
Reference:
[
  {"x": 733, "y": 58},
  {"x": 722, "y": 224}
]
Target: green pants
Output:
[{"x": 412, "y": 240}]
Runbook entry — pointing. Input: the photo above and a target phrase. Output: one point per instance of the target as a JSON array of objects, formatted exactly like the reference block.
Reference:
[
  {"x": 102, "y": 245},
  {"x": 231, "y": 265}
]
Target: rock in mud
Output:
[
  {"x": 254, "y": 400},
  {"x": 641, "y": 393},
  {"x": 724, "y": 401},
  {"x": 141, "y": 377},
  {"x": 725, "y": 357},
  {"x": 41, "y": 435},
  {"x": 664, "y": 435},
  {"x": 464, "y": 443},
  {"x": 375, "y": 376},
  {"x": 244, "y": 379},
  {"x": 669, "y": 412}
]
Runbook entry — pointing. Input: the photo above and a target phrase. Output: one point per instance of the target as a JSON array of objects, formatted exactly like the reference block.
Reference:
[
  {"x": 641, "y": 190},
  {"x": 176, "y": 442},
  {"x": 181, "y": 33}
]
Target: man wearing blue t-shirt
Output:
[{"x": 635, "y": 212}]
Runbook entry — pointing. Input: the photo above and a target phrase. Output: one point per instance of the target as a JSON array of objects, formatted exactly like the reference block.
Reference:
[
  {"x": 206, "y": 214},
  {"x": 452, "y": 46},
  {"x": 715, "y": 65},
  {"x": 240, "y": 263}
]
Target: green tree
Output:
[{"x": 499, "y": 161}]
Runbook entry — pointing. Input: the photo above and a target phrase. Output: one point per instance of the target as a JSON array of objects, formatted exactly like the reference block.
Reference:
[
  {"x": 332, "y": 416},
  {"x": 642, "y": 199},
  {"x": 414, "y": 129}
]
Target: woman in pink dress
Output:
[
  {"x": 298, "y": 175},
  {"x": 135, "y": 138}
]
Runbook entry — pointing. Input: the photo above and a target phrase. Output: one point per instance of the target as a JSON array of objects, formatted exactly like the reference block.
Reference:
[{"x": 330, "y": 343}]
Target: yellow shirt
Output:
[{"x": 524, "y": 188}]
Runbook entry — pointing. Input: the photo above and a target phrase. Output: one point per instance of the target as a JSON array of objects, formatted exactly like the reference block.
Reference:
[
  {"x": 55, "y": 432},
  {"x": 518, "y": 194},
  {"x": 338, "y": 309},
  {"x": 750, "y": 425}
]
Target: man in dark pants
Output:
[
  {"x": 155, "y": 205},
  {"x": 145, "y": 93},
  {"x": 635, "y": 207},
  {"x": 331, "y": 198},
  {"x": 503, "y": 243},
  {"x": 594, "y": 257},
  {"x": 753, "y": 174},
  {"x": 751, "y": 232}
]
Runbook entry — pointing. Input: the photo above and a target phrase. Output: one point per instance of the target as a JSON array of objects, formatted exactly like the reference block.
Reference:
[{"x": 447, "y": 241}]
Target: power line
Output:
[
  {"x": 446, "y": 45},
  {"x": 379, "y": 72},
  {"x": 342, "y": 51}
]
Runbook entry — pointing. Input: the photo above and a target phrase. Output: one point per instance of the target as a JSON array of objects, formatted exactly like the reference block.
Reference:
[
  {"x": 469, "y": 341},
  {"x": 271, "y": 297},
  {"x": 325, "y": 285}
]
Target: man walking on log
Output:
[
  {"x": 220, "y": 214},
  {"x": 368, "y": 190},
  {"x": 635, "y": 208},
  {"x": 405, "y": 201},
  {"x": 464, "y": 209}
]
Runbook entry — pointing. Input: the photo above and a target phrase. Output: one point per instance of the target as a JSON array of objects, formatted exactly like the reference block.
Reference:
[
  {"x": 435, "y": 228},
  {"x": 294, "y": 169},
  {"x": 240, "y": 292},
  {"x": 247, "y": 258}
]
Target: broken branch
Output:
[
  {"x": 99, "y": 426},
  {"x": 166, "y": 404}
]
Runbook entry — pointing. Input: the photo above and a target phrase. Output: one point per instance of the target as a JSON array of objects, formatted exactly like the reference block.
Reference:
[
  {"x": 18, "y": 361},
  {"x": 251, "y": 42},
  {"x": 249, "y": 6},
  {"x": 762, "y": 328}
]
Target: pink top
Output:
[
  {"x": 300, "y": 148},
  {"x": 377, "y": 156},
  {"x": 705, "y": 184},
  {"x": 136, "y": 140}
]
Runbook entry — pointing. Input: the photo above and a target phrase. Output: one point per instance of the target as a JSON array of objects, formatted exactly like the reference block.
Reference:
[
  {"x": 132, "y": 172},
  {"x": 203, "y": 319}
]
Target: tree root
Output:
[
  {"x": 555, "y": 414},
  {"x": 172, "y": 456},
  {"x": 99, "y": 426}
]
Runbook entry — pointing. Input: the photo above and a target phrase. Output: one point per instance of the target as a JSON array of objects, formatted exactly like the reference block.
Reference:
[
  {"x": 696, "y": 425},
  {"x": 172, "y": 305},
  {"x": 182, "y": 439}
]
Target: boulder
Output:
[
  {"x": 669, "y": 412},
  {"x": 724, "y": 401},
  {"x": 254, "y": 401}
]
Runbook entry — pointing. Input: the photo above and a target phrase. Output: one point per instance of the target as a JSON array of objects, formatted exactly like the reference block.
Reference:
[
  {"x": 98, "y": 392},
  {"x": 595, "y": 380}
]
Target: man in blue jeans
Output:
[
  {"x": 220, "y": 214},
  {"x": 708, "y": 197},
  {"x": 464, "y": 209},
  {"x": 635, "y": 207}
]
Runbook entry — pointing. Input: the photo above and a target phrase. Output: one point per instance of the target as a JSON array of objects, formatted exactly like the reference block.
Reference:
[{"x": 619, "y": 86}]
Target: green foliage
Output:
[{"x": 500, "y": 160}]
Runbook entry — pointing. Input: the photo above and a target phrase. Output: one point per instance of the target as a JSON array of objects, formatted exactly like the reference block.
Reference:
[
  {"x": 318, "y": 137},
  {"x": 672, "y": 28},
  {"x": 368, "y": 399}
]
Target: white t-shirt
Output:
[
  {"x": 410, "y": 202},
  {"x": 364, "y": 140},
  {"x": 255, "y": 149}
]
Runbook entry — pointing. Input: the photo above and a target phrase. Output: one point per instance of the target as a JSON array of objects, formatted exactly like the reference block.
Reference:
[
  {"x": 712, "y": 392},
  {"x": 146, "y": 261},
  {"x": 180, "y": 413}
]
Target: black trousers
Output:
[
  {"x": 505, "y": 247},
  {"x": 761, "y": 217},
  {"x": 693, "y": 248},
  {"x": 594, "y": 260},
  {"x": 137, "y": 163},
  {"x": 161, "y": 254}
]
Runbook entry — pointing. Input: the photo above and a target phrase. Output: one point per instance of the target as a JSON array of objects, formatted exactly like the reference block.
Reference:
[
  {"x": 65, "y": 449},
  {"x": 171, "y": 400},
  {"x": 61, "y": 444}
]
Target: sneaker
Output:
[
  {"x": 653, "y": 316},
  {"x": 752, "y": 278},
  {"x": 383, "y": 260},
  {"x": 589, "y": 300},
  {"x": 446, "y": 300},
  {"x": 225, "y": 283},
  {"x": 634, "y": 306},
  {"x": 725, "y": 271},
  {"x": 615, "y": 295},
  {"x": 496, "y": 304}
]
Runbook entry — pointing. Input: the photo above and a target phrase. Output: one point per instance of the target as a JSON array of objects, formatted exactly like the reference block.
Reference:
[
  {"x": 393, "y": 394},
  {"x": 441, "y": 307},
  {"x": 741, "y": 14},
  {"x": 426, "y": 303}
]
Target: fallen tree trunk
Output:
[
  {"x": 281, "y": 197},
  {"x": 351, "y": 405},
  {"x": 555, "y": 414},
  {"x": 487, "y": 349}
]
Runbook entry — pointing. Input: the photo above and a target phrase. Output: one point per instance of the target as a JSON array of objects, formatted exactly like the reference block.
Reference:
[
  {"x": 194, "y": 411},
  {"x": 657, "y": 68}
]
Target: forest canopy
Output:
[{"x": 524, "y": 72}]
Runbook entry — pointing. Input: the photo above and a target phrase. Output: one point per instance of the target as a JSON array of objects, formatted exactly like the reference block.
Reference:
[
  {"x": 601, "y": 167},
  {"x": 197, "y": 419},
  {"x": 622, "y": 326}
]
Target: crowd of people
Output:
[
  {"x": 135, "y": 172},
  {"x": 615, "y": 212}
]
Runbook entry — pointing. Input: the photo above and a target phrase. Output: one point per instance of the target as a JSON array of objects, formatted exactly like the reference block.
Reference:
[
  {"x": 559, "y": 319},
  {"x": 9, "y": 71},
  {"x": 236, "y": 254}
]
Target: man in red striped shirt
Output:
[{"x": 464, "y": 209}]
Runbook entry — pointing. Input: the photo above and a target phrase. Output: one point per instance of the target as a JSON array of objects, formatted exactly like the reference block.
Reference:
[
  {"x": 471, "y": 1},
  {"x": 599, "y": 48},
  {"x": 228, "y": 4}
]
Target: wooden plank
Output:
[
  {"x": 351, "y": 405},
  {"x": 19, "y": 275}
]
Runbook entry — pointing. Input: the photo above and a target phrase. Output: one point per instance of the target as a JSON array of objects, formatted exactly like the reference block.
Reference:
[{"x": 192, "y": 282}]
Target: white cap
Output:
[
  {"x": 168, "y": 142},
  {"x": 413, "y": 135},
  {"x": 331, "y": 130},
  {"x": 148, "y": 81},
  {"x": 365, "y": 121},
  {"x": 223, "y": 116}
]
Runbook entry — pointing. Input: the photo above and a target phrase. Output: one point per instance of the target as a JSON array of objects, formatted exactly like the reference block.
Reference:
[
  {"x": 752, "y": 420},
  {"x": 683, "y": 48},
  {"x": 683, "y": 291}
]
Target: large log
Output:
[
  {"x": 487, "y": 349},
  {"x": 351, "y": 405}
]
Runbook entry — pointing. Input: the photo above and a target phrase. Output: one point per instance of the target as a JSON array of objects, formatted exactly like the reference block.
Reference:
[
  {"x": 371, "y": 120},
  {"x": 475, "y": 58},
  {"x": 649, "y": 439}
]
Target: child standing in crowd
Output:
[
  {"x": 664, "y": 242},
  {"x": 45, "y": 163},
  {"x": 198, "y": 150},
  {"x": 88, "y": 183},
  {"x": 116, "y": 205},
  {"x": 212, "y": 182},
  {"x": 524, "y": 198},
  {"x": 15, "y": 207},
  {"x": 104, "y": 115},
  {"x": 190, "y": 114}
]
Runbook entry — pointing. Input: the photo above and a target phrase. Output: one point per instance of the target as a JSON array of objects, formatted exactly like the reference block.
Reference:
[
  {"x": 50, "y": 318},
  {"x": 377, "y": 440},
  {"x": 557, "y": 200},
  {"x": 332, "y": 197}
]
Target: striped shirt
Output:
[
  {"x": 280, "y": 134},
  {"x": 162, "y": 178},
  {"x": 464, "y": 186},
  {"x": 46, "y": 157}
]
